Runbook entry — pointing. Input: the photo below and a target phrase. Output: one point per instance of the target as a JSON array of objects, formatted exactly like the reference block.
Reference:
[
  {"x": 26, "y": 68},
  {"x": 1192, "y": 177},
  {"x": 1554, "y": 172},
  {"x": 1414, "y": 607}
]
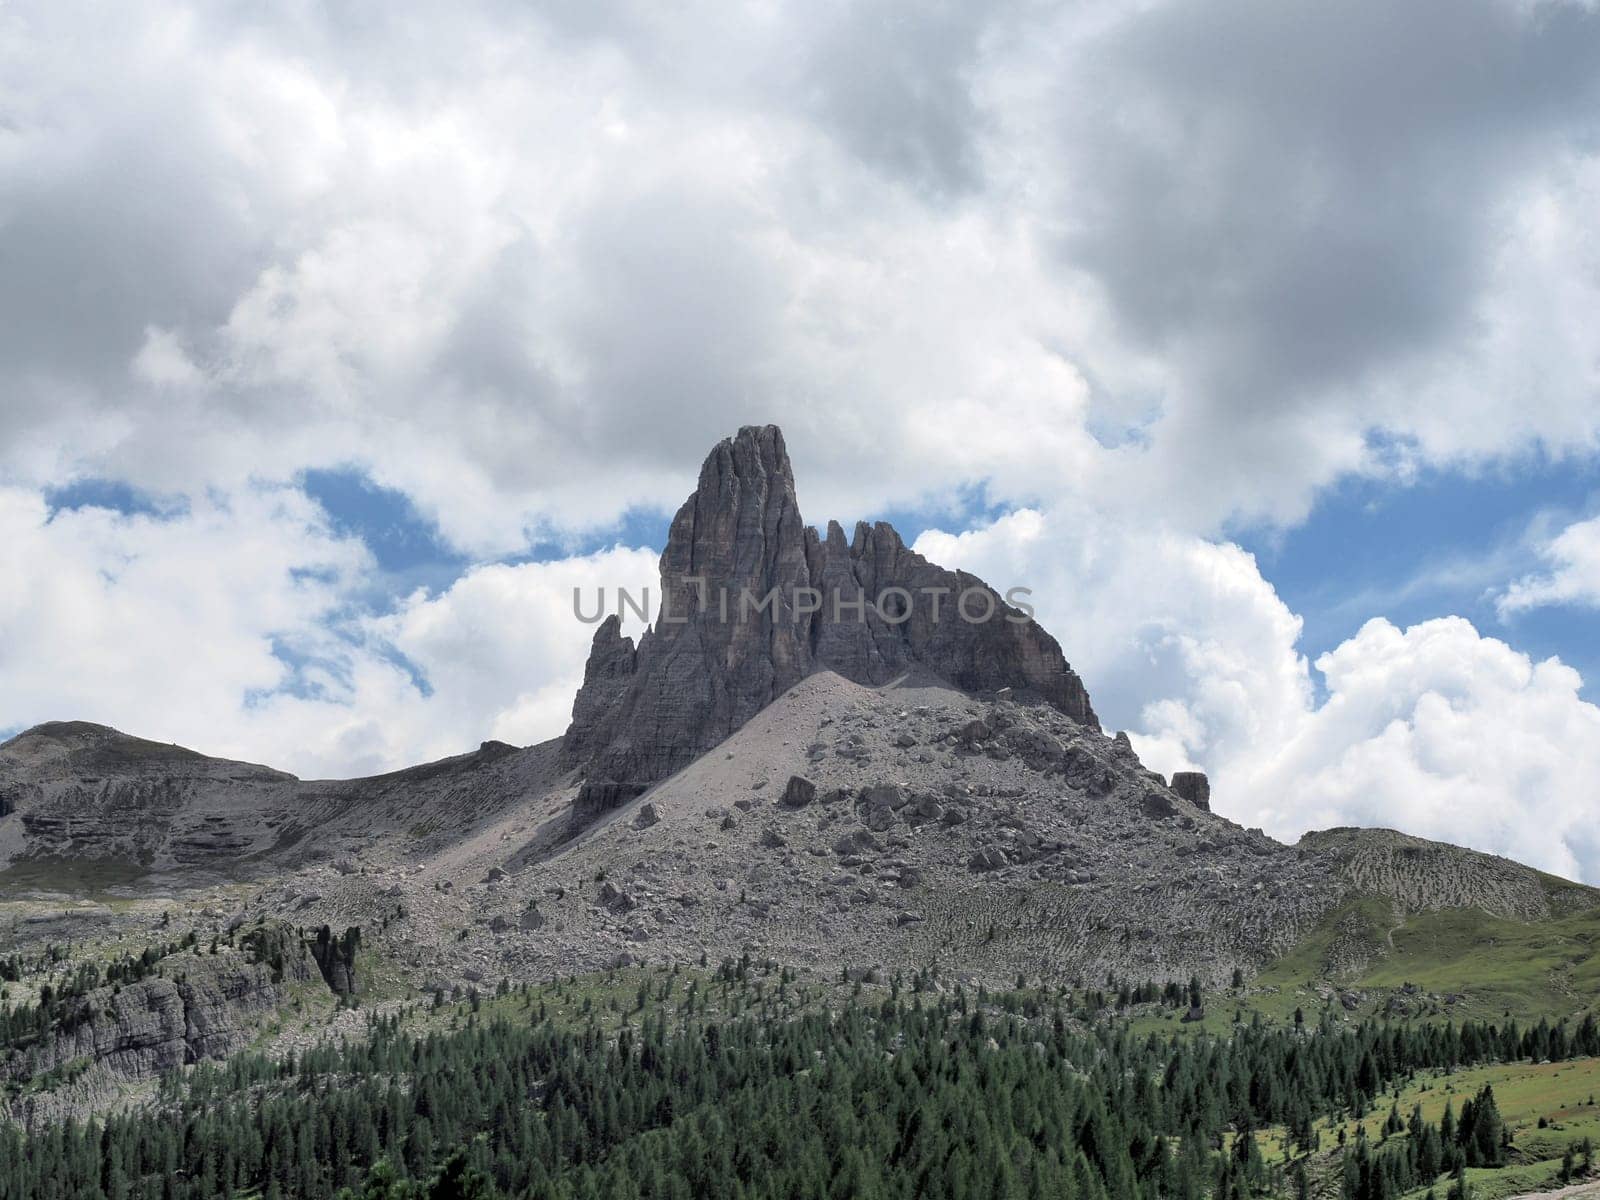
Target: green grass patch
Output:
[{"x": 1565, "y": 1095}]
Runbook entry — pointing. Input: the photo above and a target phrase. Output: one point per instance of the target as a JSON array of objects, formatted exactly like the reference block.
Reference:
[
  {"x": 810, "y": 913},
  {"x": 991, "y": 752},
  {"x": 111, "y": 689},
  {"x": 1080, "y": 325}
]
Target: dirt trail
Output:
[{"x": 1588, "y": 1190}]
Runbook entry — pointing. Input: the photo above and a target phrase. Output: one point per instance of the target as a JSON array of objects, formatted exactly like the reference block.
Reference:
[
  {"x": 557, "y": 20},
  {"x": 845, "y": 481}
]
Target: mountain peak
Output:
[
  {"x": 753, "y": 600},
  {"x": 64, "y": 737}
]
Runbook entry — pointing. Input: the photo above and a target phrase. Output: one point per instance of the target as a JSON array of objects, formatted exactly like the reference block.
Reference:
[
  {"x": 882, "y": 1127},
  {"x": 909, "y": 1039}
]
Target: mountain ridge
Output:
[{"x": 863, "y": 795}]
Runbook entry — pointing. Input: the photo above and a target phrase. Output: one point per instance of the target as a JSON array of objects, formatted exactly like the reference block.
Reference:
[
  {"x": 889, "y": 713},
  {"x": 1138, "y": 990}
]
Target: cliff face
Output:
[
  {"x": 753, "y": 601},
  {"x": 73, "y": 788},
  {"x": 199, "y": 1006},
  {"x": 336, "y": 959}
]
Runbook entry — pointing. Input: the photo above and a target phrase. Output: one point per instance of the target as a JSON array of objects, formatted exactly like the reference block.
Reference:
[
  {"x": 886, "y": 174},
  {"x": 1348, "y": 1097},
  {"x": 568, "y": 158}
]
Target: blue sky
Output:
[{"x": 1444, "y": 543}]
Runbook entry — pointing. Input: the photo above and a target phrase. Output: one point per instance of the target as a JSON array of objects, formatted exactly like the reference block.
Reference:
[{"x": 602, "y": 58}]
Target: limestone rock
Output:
[
  {"x": 858, "y": 842},
  {"x": 988, "y": 858},
  {"x": 752, "y": 601},
  {"x": 197, "y": 1006}
]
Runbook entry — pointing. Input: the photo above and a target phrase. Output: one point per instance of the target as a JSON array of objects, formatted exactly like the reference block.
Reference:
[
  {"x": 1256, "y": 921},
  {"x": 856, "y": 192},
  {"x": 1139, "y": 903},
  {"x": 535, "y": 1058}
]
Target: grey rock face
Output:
[
  {"x": 336, "y": 959},
  {"x": 1194, "y": 787},
  {"x": 752, "y": 601}
]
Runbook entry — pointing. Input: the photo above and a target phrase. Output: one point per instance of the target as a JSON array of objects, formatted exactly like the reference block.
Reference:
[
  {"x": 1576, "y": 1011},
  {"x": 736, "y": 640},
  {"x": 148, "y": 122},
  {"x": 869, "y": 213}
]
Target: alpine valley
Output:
[{"x": 847, "y": 897}]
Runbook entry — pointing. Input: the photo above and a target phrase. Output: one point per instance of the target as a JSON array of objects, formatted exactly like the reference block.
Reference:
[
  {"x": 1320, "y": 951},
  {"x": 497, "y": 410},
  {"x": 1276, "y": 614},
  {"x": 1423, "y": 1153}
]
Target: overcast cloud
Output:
[{"x": 1139, "y": 275}]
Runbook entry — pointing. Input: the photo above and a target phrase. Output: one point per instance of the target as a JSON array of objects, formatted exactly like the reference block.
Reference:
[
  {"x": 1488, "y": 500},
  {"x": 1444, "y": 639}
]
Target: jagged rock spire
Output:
[{"x": 753, "y": 601}]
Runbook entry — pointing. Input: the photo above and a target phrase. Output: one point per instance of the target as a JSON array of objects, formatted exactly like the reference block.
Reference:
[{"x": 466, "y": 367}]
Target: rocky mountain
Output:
[
  {"x": 82, "y": 793},
  {"x": 846, "y": 774},
  {"x": 753, "y": 601}
]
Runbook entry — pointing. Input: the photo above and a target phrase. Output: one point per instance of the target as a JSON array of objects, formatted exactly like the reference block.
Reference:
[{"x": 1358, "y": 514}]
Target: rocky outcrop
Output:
[
  {"x": 336, "y": 959},
  {"x": 753, "y": 601},
  {"x": 86, "y": 792},
  {"x": 197, "y": 1006},
  {"x": 798, "y": 792},
  {"x": 1194, "y": 787},
  {"x": 1421, "y": 876}
]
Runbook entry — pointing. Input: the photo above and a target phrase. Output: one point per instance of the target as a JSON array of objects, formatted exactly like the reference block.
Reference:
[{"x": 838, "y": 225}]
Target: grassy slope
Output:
[
  {"x": 1498, "y": 966},
  {"x": 1565, "y": 1094},
  {"x": 1494, "y": 966},
  {"x": 1364, "y": 949}
]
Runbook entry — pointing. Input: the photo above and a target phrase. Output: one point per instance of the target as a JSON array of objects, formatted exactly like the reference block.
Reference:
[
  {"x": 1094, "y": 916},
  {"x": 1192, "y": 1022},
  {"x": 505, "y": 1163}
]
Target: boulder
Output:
[
  {"x": 798, "y": 792},
  {"x": 880, "y": 805},
  {"x": 974, "y": 732},
  {"x": 858, "y": 842},
  {"x": 1158, "y": 804},
  {"x": 988, "y": 858}
]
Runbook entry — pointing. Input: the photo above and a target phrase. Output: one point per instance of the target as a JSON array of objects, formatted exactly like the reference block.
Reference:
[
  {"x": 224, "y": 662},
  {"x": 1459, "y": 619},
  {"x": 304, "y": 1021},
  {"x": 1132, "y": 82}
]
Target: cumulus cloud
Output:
[
  {"x": 503, "y": 647},
  {"x": 1571, "y": 577},
  {"x": 1326, "y": 225},
  {"x": 230, "y": 626},
  {"x": 526, "y": 268},
  {"x": 1434, "y": 729},
  {"x": 1444, "y": 733}
]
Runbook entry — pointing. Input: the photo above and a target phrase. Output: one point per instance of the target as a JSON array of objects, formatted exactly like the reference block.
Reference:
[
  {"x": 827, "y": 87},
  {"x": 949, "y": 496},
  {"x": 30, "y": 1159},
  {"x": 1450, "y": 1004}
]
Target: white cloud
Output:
[
  {"x": 1179, "y": 639},
  {"x": 1444, "y": 733},
  {"x": 504, "y": 642},
  {"x": 527, "y": 266},
  {"x": 1573, "y": 576},
  {"x": 226, "y": 628},
  {"x": 163, "y": 362},
  {"x": 1434, "y": 729}
]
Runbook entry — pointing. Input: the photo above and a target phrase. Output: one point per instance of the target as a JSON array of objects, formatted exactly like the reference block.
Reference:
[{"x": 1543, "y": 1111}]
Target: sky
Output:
[{"x": 339, "y": 343}]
